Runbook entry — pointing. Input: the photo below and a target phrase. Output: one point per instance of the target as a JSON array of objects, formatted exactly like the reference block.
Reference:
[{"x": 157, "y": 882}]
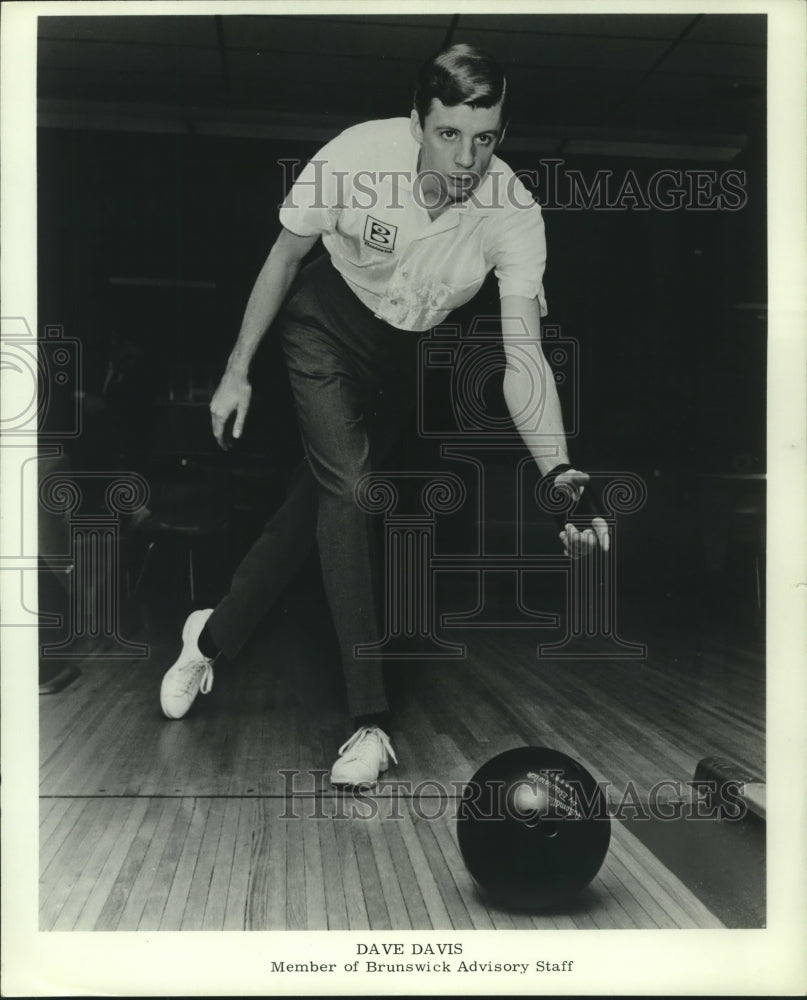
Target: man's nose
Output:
[{"x": 465, "y": 155}]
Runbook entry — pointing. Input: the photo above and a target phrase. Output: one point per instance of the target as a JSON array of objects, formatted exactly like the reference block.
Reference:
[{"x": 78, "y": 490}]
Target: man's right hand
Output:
[{"x": 231, "y": 397}]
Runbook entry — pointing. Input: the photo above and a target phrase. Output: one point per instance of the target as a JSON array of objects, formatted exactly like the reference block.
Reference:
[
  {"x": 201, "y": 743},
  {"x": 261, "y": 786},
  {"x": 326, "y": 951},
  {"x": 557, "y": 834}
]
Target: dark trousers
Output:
[{"x": 354, "y": 382}]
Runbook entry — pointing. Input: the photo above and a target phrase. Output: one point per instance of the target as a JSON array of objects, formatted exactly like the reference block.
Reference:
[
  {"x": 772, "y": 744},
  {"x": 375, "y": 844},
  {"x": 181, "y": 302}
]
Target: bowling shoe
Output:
[
  {"x": 191, "y": 674},
  {"x": 365, "y": 755}
]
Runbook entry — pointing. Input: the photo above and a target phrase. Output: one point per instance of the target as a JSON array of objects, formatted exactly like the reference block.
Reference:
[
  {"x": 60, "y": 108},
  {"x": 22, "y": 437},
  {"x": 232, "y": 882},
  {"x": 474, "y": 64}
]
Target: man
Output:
[{"x": 414, "y": 214}]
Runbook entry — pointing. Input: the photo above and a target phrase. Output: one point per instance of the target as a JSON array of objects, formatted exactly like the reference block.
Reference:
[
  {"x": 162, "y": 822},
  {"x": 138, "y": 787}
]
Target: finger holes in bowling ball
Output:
[{"x": 533, "y": 828}]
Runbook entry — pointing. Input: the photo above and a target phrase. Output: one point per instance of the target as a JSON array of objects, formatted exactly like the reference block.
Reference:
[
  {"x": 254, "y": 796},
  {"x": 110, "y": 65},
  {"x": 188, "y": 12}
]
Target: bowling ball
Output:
[{"x": 533, "y": 828}]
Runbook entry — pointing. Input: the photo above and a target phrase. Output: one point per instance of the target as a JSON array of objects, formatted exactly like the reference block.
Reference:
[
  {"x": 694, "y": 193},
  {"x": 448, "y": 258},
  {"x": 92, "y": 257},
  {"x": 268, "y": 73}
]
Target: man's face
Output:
[{"x": 457, "y": 144}]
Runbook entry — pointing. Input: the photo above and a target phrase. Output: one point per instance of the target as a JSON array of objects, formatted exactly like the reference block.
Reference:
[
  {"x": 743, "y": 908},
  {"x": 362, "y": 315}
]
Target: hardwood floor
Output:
[
  {"x": 233, "y": 863},
  {"x": 151, "y": 825}
]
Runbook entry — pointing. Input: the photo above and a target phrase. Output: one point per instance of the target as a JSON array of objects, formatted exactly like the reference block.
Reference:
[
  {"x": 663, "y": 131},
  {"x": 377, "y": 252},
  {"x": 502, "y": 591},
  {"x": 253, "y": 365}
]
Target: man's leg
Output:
[
  {"x": 265, "y": 571},
  {"x": 330, "y": 410},
  {"x": 342, "y": 363},
  {"x": 334, "y": 425}
]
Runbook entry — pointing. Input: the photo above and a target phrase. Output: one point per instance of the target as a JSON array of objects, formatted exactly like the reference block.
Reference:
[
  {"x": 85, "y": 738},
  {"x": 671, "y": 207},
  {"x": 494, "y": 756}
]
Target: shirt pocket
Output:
[
  {"x": 452, "y": 295},
  {"x": 365, "y": 241}
]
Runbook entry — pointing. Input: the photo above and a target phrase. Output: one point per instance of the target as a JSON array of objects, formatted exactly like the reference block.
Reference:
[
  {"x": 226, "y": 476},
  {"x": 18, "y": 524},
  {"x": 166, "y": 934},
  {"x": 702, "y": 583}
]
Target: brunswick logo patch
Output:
[{"x": 380, "y": 235}]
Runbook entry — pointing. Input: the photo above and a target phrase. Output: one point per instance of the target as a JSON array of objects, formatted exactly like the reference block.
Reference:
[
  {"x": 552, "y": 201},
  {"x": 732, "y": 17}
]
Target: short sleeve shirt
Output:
[{"x": 361, "y": 193}]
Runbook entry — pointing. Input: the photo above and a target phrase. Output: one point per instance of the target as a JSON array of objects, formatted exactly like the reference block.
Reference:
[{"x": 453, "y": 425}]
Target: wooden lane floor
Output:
[
  {"x": 268, "y": 863},
  {"x": 207, "y": 823},
  {"x": 628, "y": 723}
]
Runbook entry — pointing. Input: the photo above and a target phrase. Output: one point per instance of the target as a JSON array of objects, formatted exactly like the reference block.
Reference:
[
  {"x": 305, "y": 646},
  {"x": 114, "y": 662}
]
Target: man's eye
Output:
[
  {"x": 448, "y": 133},
  {"x": 485, "y": 140}
]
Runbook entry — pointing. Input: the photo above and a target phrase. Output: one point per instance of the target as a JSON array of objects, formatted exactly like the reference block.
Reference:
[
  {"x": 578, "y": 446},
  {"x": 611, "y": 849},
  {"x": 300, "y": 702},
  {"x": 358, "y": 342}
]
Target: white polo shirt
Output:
[{"x": 362, "y": 194}]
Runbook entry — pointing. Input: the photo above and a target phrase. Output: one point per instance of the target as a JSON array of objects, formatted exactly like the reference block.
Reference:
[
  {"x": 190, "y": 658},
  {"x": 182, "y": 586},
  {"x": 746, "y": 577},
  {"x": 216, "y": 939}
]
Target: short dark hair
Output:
[{"x": 461, "y": 74}]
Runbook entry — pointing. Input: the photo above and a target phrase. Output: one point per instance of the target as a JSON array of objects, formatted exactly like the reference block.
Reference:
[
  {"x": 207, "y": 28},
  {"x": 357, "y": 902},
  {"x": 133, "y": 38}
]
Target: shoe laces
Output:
[
  {"x": 367, "y": 741},
  {"x": 197, "y": 672}
]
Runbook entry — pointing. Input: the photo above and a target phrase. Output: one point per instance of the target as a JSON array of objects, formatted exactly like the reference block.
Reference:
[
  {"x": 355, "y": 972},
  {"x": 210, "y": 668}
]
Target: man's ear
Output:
[
  {"x": 415, "y": 127},
  {"x": 502, "y": 134}
]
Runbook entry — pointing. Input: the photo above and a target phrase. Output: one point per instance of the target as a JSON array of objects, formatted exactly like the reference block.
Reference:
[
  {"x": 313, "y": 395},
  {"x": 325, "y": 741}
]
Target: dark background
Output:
[{"x": 159, "y": 183}]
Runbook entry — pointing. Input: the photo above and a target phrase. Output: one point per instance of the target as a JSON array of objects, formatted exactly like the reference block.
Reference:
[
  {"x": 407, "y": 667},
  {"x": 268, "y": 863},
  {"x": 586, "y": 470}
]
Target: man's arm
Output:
[
  {"x": 270, "y": 289},
  {"x": 528, "y": 375},
  {"x": 541, "y": 426}
]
